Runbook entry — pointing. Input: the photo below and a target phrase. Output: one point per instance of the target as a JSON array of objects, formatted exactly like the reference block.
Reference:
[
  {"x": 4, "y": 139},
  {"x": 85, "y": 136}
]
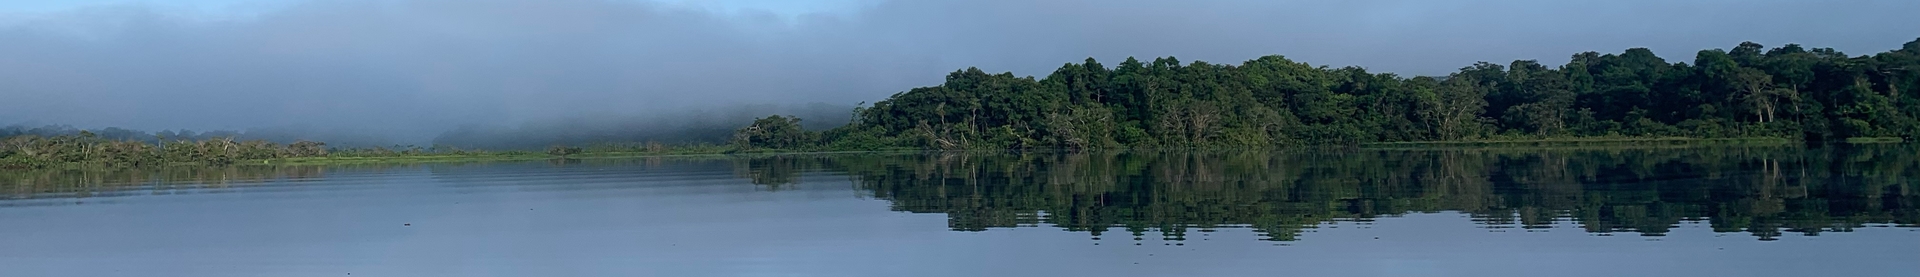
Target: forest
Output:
[{"x": 1789, "y": 92}]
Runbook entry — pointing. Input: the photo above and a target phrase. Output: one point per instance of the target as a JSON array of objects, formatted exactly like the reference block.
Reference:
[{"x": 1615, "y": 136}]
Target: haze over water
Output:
[{"x": 1695, "y": 211}]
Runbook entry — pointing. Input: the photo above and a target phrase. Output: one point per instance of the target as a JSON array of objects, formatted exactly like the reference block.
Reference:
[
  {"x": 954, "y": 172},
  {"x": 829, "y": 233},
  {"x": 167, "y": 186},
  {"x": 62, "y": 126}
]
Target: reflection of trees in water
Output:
[
  {"x": 775, "y": 172},
  {"x": 1763, "y": 191},
  {"x": 84, "y": 183}
]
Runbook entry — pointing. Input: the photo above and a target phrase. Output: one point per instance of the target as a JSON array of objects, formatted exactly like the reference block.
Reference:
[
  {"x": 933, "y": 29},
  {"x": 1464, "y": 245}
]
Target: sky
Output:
[
  {"x": 419, "y": 67},
  {"x": 253, "y": 7}
]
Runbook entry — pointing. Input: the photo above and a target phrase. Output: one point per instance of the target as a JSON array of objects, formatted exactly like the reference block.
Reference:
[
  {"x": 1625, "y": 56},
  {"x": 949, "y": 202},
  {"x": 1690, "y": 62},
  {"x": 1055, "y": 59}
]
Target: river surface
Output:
[{"x": 1718, "y": 211}]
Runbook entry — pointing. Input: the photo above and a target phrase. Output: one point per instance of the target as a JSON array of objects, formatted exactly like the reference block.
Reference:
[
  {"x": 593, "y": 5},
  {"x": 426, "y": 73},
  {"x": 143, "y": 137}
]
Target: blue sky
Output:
[
  {"x": 788, "y": 7},
  {"x": 40, "y": 6}
]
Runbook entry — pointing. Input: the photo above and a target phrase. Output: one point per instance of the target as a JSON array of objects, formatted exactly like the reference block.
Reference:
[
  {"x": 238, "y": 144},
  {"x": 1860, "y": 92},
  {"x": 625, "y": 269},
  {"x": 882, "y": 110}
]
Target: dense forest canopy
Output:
[{"x": 1790, "y": 91}]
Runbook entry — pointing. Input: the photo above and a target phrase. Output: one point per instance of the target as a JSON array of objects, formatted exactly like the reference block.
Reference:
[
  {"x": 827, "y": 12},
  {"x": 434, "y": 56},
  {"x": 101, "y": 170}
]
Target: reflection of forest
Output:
[
  {"x": 81, "y": 183},
  {"x": 1763, "y": 191}
]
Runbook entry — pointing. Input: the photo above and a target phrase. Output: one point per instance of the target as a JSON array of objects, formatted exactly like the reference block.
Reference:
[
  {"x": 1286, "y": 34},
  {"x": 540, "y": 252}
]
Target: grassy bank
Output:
[
  {"x": 86, "y": 150},
  {"x": 1867, "y": 140},
  {"x": 487, "y": 156},
  {"x": 446, "y": 158}
]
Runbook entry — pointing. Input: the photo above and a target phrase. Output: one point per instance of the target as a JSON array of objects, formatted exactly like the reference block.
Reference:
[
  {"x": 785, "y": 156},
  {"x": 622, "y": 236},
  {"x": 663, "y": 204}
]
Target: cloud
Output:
[{"x": 419, "y": 67}]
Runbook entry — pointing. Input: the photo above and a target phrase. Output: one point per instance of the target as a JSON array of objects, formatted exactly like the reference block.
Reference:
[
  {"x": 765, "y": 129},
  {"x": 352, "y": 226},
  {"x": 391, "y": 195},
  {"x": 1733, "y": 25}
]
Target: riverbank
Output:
[
  {"x": 448, "y": 158},
  {"x": 724, "y": 151},
  {"x": 1586, "y": 142},
  {"x": 482, "y": 156},
  {"x": 1870, "y": 140}
]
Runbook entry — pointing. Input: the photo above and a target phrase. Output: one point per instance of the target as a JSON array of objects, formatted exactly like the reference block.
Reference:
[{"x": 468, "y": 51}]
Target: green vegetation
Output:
[
  {"x": 88, "y": 150},
  {"x": 1788, "y": 93},
  {"x": 1585, "y": 142},
  {"x": 776, "y": 132},
  {"x": 1864, "y": 140},
  {"x": 601, "y": 151},
  {"x": 1747, "y": 95}
]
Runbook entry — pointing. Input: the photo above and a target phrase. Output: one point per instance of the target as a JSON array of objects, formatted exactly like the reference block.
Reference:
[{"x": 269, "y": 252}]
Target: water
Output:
[{"x": 1767, "y": 211}]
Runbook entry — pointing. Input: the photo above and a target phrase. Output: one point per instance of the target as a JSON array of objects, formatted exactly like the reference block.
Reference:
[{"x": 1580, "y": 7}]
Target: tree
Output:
[
  {"x": 1456, "y": 110},
  {"x": 307, "y": 149},
  {"x": 774, "y": 132},
  {"x": 562, "y": 151}
]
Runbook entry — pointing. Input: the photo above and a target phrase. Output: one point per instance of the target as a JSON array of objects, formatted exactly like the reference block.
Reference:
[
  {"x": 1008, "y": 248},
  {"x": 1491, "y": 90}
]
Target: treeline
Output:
[
  {"x": 1790, "y": 91},
  {"x": 115, "y": 133},
  {"x": 89, "y": 149},
  {"x": 335, "y": 138},
  {"x": 1787, "y": 92},
  {"x": 54, "y": 146},
  {"x": 66, "y": 147}
]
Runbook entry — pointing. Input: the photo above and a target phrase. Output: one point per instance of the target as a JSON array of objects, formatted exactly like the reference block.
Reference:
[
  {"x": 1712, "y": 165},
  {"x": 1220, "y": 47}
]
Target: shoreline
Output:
[
  {"x": 520, "y": 156},
  {"x": 1476, "y": 144},
  {"x": 1585, "y": 142}
]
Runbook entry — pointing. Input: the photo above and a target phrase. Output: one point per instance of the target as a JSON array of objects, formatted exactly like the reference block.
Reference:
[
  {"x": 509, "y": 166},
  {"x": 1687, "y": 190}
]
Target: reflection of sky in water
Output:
[{"x": 698, "y": 219}]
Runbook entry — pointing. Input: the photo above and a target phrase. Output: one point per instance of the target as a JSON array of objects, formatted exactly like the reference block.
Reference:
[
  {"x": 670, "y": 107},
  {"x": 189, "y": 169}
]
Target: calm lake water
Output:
[{"x": 1729, "y": 211}]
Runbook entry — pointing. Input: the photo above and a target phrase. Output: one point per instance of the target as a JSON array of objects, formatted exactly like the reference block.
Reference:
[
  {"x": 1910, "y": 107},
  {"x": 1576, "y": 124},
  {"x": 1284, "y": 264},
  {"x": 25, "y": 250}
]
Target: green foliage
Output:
[
  {"x": 307, "y": 149},
  {"x": 775, "y": 132},
  {"x": 87, "y": 149},
  {"x": 562, "y": 151},
  {"x": 1788, "y": 92},
  {"x": 81, "y": 151}
]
